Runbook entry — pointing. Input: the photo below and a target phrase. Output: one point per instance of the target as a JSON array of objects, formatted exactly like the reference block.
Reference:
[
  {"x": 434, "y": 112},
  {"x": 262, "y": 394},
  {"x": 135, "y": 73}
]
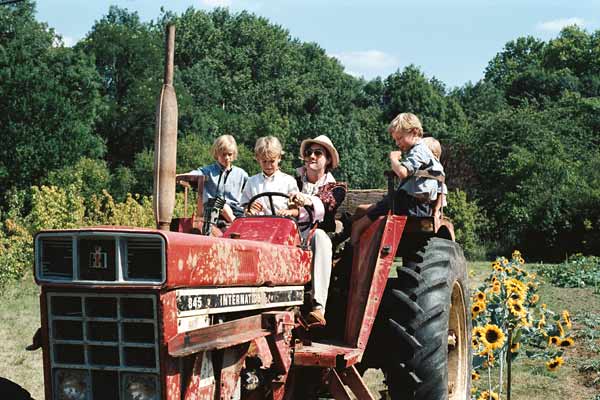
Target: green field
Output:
[{"x": 19, "y": 313}]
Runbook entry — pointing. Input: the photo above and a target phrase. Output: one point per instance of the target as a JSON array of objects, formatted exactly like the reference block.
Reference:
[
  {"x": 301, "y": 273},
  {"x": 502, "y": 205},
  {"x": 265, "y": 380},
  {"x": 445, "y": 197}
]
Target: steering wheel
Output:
[{"x": 270, "y": 195}]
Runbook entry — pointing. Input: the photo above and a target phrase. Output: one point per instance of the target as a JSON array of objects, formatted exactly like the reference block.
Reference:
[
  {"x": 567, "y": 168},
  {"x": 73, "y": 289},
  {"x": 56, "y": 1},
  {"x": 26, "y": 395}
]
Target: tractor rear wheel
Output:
[{"x": 429, "y": 326}]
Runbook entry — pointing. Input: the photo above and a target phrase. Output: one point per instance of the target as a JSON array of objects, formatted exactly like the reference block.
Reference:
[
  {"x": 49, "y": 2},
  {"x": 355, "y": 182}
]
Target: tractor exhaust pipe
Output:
[{"x": 165, "y": 142}]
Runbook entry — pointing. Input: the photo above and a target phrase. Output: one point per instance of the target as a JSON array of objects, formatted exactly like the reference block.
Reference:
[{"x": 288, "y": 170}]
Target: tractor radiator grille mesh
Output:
[{"x": 104, "y": 337}]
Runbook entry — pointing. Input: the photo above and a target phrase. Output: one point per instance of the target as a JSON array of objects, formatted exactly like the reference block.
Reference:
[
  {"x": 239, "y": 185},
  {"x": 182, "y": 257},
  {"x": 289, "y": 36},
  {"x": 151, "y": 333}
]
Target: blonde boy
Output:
[
  {"x": 268, "y": 152},
  {"x": 223, "y": 179},
  {"x": 418, "y": 170}
]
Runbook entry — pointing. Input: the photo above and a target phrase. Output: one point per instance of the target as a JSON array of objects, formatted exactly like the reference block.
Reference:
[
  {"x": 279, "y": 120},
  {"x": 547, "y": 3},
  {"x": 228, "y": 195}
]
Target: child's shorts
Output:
[{"x": 404, "y": 204}]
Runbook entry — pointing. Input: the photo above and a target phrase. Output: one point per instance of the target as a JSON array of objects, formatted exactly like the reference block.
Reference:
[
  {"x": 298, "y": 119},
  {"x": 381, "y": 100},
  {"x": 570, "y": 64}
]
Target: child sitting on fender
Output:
[{"x": 420, "y": 172}]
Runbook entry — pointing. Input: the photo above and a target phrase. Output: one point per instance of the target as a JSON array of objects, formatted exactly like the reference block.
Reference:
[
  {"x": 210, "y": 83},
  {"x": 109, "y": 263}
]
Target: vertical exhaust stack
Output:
[{"x": 165, "y": 142}]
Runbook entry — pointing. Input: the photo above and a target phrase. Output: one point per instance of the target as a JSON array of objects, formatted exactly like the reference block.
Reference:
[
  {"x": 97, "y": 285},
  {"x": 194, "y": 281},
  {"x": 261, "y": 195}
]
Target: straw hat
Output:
[{"x": 325, "y": 142}]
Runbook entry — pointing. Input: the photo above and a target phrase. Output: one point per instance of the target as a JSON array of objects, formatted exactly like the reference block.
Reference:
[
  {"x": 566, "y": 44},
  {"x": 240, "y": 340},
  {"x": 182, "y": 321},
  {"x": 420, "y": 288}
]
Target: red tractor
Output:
[{"x": 142, "y": 314}]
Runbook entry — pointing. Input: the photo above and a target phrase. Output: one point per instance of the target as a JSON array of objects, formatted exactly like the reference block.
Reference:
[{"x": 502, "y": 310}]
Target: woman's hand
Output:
[
  {"x": 293, "y": 212},
  {"x": 300, "y": 200}
]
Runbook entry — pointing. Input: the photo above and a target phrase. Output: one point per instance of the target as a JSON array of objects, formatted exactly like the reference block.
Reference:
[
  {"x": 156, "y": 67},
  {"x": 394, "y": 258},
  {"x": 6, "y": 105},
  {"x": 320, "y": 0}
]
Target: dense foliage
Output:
[
  {"x": 521, "y": 145},
  {"x": 576, "y": 271}
]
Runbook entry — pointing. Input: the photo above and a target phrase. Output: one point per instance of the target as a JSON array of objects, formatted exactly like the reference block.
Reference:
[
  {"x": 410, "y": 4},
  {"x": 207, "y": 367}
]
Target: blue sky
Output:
[{"x": 452, "y": 40}]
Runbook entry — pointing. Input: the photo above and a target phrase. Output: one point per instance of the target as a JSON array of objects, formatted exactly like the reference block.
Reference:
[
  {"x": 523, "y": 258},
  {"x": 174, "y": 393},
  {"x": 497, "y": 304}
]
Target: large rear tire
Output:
[{"x": 426, "y": 309}]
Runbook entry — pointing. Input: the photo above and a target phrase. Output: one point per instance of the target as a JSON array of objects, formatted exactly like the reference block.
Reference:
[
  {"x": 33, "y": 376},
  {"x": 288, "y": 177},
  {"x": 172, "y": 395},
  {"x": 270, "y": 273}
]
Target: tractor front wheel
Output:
[{"x": 428, "y": 325}]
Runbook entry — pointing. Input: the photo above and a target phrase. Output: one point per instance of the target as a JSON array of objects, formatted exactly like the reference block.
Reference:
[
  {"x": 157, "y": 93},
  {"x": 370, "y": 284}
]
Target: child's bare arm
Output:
[{"x": 398, "y": 168}]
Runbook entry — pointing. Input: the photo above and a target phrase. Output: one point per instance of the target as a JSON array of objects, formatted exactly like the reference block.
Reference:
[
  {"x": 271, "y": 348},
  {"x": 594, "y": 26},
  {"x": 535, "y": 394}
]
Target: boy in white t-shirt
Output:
[{"x": 268, "y": 152}]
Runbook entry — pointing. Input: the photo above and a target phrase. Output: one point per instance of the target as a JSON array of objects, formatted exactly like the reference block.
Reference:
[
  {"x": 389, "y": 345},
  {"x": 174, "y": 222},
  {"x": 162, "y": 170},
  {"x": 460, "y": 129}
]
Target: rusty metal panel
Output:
[
  {"x": 202, "y": 382},
  {"x": 233, "y": 361},
  {"x": 326, "y": 355},
  {"x": 269, "y": 229},
  {"x": 168, "y": 311},
  {"x": 171, "y": 377},
  {"x": 370, "y": 270},
  {"x": 336, "y": 387},
  {"x": 353, "y": 380},
  {"x": 218, "y": 336},
  {"x": 194, "y": 260}
]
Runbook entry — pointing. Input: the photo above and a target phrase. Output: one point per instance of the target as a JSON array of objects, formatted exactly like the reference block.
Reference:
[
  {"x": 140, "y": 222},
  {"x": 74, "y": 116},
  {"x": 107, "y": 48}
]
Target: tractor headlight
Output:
[
  {"x": 71, "y": 384},
  {"x": 140, "y": 387}
]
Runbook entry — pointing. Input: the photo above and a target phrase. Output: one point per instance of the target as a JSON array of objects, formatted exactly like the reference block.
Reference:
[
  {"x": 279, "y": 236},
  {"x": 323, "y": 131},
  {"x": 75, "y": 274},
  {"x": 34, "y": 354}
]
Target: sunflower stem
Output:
[
  {"x": 508, "y": 365},
  {"x": 489, "y": 378},
  {"x": 501, "y": 374}
]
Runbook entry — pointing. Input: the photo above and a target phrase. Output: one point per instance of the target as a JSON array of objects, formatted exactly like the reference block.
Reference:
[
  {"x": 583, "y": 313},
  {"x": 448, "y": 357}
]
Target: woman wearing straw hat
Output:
[{"x": 319, "y": 190}]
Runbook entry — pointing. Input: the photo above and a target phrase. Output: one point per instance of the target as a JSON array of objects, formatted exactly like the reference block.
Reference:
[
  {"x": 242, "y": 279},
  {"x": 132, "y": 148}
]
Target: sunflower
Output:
[
  {"x": 519, "y": 271},
  {"x": 532, "y": 285},
  {"x": 542, "y": 322},
  {"x": 554, "y": 364},
  {"x": 480, "y": 296},
  {"x": 526, "y": 322},
  {"x": 504, "y": 261},
  {"x": 493, "y": 337},
  {"x": 496, "y": 288},
  {"x": 567, "y": 342},
  {"x": 561, "y": 330},
  {"x": 514, "y": 348},
  {"x": 474, "y": 375},
  {"x": 534, "y": 299},
  {"x": 516, "y": 254},
  {"x": 567, "y": 318},
  {"x": 487, "y": 395},
  {"x": 477, "y": 308},
  {"x": 508, "y": 270},
  {"x": 496, "y": 266},
  {"x": 515, "y": 285},
  {"x": 516, "y": 308},
  {"x": 517, "y": 296},
  {"x": 490, "y": 360},
  {"x": 474, "y": 343},
  {"x": 554, "y": 340},
  {"x": 521, "y": 261},
  {"x": 478, "y": 332}
]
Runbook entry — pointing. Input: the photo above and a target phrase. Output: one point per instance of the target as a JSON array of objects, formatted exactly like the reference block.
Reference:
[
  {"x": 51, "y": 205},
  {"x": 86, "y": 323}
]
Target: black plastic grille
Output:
[
  {"x": 104, "y": 332},
  {"x": 144, "y": 258},
  {"x": 57, "y": 257}
]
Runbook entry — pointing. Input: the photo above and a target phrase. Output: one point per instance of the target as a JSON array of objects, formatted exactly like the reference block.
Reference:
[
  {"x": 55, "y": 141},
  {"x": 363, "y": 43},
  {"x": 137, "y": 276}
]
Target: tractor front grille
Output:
[
  {"x": 110, "y": 258},
  {"x": 106, "y": 338}
]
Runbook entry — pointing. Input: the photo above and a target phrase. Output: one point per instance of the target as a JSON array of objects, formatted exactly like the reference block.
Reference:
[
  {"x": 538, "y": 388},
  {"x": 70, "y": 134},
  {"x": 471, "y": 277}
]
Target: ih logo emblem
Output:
[{"x": 98, "y": 258}]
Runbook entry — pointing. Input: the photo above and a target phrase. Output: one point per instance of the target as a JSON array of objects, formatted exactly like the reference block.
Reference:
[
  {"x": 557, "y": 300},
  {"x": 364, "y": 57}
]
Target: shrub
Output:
[
  {"x": 55, "y": 208},
  {"x": 576, "y": 271},
  {"x": 469, "y": 223}
]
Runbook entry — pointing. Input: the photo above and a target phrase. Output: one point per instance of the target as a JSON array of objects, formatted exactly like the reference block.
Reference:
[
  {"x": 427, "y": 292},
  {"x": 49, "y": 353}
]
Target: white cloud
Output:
[
  {"x": 216, "y": 3},
  {"x": 69, "y": 41},
  {"x": 62, "y": 40},
  {"x": 369, "y": 63},
  {"x": 557, "y": 24}
]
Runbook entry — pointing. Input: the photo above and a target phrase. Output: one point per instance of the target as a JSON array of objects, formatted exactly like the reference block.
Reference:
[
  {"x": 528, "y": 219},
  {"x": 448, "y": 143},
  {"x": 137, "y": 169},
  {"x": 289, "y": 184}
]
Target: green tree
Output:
[
  {"x": 517, "y": 56},
  {"x": 49, "y": 97},
  {"x": 129, "y": 59}
]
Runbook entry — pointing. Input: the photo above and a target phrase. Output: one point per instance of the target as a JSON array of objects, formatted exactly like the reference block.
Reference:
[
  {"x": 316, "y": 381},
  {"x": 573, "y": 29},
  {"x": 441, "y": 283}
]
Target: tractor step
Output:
[{"x": 327, "y": 355}]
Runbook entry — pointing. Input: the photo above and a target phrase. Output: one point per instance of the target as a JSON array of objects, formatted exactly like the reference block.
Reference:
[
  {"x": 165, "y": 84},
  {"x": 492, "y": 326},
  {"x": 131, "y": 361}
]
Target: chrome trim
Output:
[{"x": 120, "y": 257}]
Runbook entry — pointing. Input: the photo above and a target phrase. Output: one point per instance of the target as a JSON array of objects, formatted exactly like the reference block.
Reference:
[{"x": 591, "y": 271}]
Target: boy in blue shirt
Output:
[
  {"x": 222, "y": 178},
  {"x": 420, "y": 172}
]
